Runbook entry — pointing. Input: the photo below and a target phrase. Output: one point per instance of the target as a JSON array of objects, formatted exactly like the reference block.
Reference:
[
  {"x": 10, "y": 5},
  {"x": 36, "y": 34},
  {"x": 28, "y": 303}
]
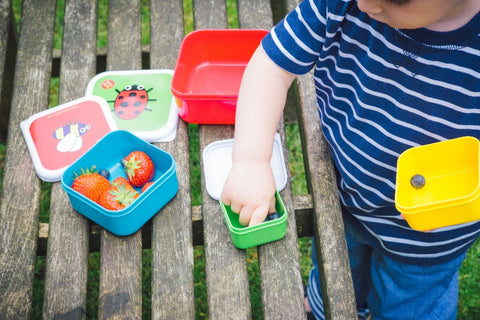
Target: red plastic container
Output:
[{"x": 208, "y": 72}]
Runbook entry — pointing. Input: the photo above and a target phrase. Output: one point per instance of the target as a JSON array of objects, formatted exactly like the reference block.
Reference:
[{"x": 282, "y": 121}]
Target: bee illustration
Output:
[
  {"x": 70, "y": 136},
  {"x": 131, "y": 101}
]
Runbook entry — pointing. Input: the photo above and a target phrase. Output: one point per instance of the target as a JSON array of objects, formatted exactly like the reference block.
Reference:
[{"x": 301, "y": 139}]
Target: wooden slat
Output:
[
  {"x": 279, "y": 262},
  {"x": 68, "y": 244},
  {"x": 172, "y": 243},
  {"x": 121, "y": 257},
  {"x": 226, "y": 268},
  {"x": 334, "y": 266},
  {"x": 225, "y": 265},
  {"x": 8, "y": 50},
  {"x": 21, "y": 187}
]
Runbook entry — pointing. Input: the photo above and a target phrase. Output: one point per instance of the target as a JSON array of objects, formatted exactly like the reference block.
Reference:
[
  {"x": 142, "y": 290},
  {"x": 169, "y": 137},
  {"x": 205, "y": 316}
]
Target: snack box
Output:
[
  {"x": 208, "y": 72},
  {"x": 140, "y": 101},
  {"x": 446, "y": 187},
  {"x": 58, "y": 136},
  {"x": 217, "y": 162},
  {"x": 268, "y": 231},
  {"x": 107, "y": 154}
]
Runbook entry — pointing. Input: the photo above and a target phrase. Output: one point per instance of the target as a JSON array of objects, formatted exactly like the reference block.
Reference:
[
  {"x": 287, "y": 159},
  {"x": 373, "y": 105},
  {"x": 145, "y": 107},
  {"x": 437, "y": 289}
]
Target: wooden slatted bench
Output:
[
  {"x": 8, "y": 48},
  {"x": 171, "y": 235}
]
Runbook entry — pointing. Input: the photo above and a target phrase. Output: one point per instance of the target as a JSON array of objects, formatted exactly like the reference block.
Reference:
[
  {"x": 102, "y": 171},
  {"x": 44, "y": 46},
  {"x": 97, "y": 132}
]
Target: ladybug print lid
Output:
[{"x": 140, "y": 101}]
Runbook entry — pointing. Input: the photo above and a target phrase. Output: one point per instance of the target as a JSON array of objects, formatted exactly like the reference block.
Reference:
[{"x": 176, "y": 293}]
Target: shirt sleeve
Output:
[{"x": 295, "y": 42}]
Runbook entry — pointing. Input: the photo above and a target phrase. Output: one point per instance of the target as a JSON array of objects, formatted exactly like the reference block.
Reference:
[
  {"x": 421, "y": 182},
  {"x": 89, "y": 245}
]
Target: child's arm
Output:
[{"x": 250, "y": 186}]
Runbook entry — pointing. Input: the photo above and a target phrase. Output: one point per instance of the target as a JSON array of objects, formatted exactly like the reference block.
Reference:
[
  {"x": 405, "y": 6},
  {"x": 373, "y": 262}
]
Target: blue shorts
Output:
[{"x": 388, "y": 289}]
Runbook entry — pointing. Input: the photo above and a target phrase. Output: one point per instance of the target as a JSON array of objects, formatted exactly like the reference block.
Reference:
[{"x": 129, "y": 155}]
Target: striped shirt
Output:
[{"x": 379, "y": 92}]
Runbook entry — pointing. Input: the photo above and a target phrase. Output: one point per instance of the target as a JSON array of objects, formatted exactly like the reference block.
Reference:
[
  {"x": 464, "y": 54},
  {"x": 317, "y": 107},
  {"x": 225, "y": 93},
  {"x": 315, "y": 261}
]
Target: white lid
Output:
[
  {"x": 155, "y": 118},
  {"x": 217, "y": 162},
  {"x": 58, "y": 136}
]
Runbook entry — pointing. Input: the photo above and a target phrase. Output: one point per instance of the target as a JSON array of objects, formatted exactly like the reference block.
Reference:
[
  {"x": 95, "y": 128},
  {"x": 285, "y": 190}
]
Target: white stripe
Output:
[
  {"x": 417, "y": 255},
  {"x": 355, "y": 191},
  {"x": 300, "y": 43},
  {"x": 442, "y": 84},
  {"x": 354, "y": 130},
  {"x": 285, "y": 52},
  {"x": 392, "y": 47},
  {"x": 309, "y": 29},
  {"x": 378, "y": 220},
  {"x": 352, "y": 199},
  {"x": 315, "y": 298},
  {"x": 470, "y": 50},
  {"x": 385, "y": 132},
  {"x": 361, "y": 184},
  {"x": 400, "y": 106},
  {"x": 365, "y": 157},
  {"x": 314, "y": 8},
  {"x": 335, "y": 17},
  {"x": 403, "y": 106}
]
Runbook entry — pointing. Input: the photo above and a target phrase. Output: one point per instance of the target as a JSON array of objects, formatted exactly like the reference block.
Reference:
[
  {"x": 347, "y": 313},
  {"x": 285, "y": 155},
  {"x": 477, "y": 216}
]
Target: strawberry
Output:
[
  {"x": 90, "y": 183},
  {"x": 119, "y": 196},
  {"x": 123, "y": 180},
  {"x": 139, "y": 168},
  {"x": 146, "y": 186}
]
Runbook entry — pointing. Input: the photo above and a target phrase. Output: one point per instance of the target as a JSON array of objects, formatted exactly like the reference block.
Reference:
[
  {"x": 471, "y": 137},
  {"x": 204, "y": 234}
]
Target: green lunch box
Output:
[{"x": 268, "y": 231}]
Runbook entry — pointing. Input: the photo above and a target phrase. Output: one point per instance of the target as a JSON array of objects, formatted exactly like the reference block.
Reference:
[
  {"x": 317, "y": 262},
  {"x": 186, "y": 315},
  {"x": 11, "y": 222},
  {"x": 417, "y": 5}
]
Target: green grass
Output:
[{"x": 469, "y": 296}]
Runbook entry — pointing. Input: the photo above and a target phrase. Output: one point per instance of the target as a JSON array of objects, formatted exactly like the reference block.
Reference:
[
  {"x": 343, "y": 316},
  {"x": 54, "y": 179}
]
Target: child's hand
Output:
[{"x": 250, "y": 191}]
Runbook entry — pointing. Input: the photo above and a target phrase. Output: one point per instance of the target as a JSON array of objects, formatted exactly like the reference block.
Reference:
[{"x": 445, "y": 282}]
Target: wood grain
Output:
[
  {"x": 279, "y": 262},
  {"x": 68, "y": 243},
  {"x": 21, "y": 187},
  {"x": 172, "y": 243},
  {"x": 225, "y": 265},
  {"x": 121, "y": 257},
  {"x": 332, "y": 255},
  {"x": 8, "y": 51}
]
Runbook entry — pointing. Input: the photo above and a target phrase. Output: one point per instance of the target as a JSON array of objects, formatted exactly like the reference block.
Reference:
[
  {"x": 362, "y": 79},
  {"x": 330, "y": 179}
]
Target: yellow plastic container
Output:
[{"x": 450, "y": 193}]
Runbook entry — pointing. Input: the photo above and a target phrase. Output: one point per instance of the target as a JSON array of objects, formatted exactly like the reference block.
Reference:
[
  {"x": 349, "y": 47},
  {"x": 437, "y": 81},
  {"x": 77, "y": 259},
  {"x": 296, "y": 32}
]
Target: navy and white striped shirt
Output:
[{"x": 381, "y": 91}]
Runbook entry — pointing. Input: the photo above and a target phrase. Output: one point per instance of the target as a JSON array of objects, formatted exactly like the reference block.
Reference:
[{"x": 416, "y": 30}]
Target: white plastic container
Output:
[{"x": 217, "y": 162}]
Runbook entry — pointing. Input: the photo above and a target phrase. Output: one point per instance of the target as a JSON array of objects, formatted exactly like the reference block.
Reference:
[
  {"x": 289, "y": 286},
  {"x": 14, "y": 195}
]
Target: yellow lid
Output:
[{"x": 451, "y": 173}]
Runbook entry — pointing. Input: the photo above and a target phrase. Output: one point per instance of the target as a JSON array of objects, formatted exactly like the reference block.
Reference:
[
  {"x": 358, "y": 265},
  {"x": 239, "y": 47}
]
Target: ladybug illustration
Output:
[{"x": 131, "y": 101}]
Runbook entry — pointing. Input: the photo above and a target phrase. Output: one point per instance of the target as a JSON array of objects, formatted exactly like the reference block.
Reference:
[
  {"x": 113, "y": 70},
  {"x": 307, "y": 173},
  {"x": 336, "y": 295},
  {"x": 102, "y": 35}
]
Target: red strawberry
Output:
[
  {"x": 122, "y": 180},
  {"x": 139, "y": 168},
  {"x": 90, "y": 183},
  {"x": 146, "y": 186},
  {"x": 120, "y": 195}
]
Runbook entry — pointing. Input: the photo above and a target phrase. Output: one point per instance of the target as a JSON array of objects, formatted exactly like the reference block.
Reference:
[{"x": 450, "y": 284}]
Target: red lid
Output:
[{"x": 58, "y": 136}]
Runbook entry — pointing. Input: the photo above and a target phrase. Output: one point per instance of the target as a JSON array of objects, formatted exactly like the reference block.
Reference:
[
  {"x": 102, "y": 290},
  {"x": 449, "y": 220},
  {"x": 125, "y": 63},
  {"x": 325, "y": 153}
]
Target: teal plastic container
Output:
[
  {"x": 268, "y": 231},
  {"x": 106, "y": 154}
]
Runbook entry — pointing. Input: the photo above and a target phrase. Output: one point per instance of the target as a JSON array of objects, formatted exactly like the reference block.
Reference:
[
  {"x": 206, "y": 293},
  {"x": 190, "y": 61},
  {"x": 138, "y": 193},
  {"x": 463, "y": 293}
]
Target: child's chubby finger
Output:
[
  {"x": 245, "y": 215},
  {"x": 272, "y": 207},
  {"x": 229, "y": 202},
  {"x": 225, "y": 198},
  {"x": 236, "y": 207},
  {"x": 258, "y": 215}
]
